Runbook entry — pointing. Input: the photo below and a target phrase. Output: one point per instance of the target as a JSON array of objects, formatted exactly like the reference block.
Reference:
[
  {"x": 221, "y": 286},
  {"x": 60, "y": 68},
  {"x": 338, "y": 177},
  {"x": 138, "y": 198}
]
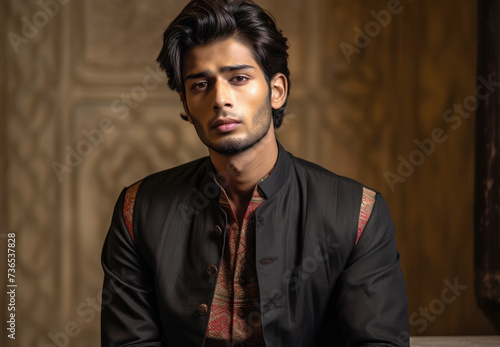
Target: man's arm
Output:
[
  {"x": 372, "y": 304},
  {"x": 129, "y": 314}
]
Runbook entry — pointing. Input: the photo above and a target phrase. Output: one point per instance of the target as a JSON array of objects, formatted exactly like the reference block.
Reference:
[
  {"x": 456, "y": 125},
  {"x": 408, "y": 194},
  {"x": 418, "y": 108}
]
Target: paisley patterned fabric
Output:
[
  {"x": 366, "y": 210},
  {"x": 235, "y": 314},
  {"x": 128, "y": 208}
]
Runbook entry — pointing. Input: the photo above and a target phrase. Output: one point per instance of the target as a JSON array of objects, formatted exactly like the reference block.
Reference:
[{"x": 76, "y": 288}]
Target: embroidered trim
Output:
[
  {"x": 235, "y": 312},
  {"x": 128, "y": 208},
  {"x": 367, "y": 203}
]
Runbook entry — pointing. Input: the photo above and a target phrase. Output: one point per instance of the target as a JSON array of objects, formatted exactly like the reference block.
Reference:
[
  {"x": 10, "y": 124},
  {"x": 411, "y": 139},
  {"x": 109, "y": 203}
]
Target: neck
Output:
[{"x": 242, "y": 171}]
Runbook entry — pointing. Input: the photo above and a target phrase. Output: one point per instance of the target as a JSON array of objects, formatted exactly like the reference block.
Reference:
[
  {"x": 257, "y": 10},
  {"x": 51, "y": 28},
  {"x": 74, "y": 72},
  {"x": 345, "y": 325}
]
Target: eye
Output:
[
  {"x": 199, "y": 86},
  {"x": 239, "y": 79}
]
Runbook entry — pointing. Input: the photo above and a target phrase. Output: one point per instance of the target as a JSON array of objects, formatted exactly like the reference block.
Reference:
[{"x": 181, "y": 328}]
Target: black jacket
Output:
[{"x": 317, "y": 287}]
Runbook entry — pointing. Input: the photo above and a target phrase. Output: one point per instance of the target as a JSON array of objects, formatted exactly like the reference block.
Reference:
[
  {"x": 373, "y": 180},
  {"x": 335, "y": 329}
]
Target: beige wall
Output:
[{"x": 353, "y": 118}]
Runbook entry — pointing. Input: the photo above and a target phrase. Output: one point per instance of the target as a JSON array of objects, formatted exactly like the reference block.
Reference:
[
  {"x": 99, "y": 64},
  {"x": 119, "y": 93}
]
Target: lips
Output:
[{"x": 224, "y": 125}]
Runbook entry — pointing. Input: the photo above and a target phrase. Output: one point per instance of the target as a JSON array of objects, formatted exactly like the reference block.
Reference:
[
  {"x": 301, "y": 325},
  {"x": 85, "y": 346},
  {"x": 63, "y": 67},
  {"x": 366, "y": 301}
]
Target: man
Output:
[{"x": 249, "y": 246}]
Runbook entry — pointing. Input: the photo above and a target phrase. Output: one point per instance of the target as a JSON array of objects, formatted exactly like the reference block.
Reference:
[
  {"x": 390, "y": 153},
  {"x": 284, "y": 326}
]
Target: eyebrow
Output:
[{"x": 222, "y": 69}]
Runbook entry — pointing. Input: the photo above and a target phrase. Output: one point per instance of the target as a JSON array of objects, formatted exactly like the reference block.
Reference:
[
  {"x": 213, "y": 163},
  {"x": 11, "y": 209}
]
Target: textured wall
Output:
[
  {"x": 83, "y": 80},
  {"x": 3, "y": 162}
]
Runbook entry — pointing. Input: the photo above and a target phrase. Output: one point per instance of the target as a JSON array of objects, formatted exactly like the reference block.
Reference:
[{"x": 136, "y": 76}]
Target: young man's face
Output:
[{"x": 226, "y": 96}]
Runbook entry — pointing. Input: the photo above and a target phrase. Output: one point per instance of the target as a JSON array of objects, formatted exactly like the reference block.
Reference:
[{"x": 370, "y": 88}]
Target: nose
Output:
[{"x": 222, "y": 96}]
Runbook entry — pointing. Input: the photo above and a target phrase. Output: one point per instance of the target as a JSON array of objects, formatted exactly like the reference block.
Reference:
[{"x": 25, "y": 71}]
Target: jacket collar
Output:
[{"x": 272, "y": 184}]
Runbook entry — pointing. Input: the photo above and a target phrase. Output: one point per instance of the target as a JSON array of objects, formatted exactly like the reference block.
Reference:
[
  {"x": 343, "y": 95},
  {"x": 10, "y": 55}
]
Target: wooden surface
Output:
[{"x": 455, "y": 341}]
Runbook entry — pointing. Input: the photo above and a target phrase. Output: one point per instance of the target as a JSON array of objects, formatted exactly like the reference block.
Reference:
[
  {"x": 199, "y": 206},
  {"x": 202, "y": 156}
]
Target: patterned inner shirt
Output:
[{"x": 235, "y": 315}]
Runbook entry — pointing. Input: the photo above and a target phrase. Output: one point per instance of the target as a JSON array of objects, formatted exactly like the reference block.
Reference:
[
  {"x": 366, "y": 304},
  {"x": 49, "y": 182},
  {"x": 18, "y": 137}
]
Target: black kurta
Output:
[{"x": 318, "y": 287}]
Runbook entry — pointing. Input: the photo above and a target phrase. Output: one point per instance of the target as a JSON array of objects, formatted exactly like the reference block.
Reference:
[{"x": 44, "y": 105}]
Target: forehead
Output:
[{"x": 212, "y": 57}]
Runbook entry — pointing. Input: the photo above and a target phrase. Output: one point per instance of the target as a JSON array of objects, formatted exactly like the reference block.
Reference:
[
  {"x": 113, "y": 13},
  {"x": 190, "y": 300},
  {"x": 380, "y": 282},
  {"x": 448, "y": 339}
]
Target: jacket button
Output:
[
  {"x": 218, "y": 230},
  {"x": 241, "y": 313},
  {"x": 243, "y": 281},
  {"x": 203, "y": 310},
  {"x": 266, "y": 261},
  {"x": 212, "y": 270}
]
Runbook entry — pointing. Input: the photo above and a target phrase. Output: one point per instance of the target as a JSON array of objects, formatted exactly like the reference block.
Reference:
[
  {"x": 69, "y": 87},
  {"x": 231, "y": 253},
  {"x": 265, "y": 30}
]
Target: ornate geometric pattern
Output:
[
  {"x": 34, "y": 209},
  {"x": 235, "y": 312},
  {"x": 365, "y": 211},
  {"x": 128, "y": 208}
]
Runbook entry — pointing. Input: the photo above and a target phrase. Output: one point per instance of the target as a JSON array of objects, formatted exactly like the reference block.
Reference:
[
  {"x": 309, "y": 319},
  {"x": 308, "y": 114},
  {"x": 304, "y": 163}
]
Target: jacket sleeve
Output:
[
  {"x": 372, "y": 307},
  {"x": 129, "y": 315}
]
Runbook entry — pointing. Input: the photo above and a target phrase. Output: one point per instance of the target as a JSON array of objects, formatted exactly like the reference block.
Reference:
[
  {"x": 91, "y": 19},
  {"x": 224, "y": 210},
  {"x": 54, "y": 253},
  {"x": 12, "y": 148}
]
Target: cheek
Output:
[
  {"x": 254, "y": 96},
  {"x": 196, "y": 105},
  {"x": 199, "y": 128},
  {"x": 257, "y": 92}
]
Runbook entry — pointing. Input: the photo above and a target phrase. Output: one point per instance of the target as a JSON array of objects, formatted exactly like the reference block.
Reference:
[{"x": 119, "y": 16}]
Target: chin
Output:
[
  {"x": 236, "y": 143},
  {"x": 230, "y": 147}
]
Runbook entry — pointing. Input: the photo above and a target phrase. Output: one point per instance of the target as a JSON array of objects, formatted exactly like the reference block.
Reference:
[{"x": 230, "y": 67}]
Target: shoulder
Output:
[
  {"x": 178, "y": 173},
  {"x": 159, "y": 191},
  {"x": 168, "y": 185},
  {"x": 344, "y": 195},
  {"x": 173, "y": 178},
  {"x": 319, "y": 177}
]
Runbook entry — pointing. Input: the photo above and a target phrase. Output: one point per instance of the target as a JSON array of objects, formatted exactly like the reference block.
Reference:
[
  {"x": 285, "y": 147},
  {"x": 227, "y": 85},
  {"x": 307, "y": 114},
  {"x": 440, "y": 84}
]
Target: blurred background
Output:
[{"x": 379, "y": 92}]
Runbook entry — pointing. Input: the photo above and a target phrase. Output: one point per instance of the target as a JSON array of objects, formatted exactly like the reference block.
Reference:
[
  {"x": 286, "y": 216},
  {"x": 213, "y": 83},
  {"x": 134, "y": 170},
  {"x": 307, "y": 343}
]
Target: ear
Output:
[
  {"x": 186, "y": 109},
  {"x": 279, "y": 90}
]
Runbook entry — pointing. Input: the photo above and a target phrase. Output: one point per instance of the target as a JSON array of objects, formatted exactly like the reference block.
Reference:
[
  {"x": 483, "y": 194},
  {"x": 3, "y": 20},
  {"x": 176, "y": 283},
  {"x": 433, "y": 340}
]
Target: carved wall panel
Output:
[
  {"x": 84, "y": 93},
  {"x": 32, "y": 79}
]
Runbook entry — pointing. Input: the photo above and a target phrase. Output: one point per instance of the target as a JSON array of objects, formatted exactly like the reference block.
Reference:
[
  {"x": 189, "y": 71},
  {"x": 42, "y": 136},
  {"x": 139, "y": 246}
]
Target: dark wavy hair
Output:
[{"x": 206, "y": 21}]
